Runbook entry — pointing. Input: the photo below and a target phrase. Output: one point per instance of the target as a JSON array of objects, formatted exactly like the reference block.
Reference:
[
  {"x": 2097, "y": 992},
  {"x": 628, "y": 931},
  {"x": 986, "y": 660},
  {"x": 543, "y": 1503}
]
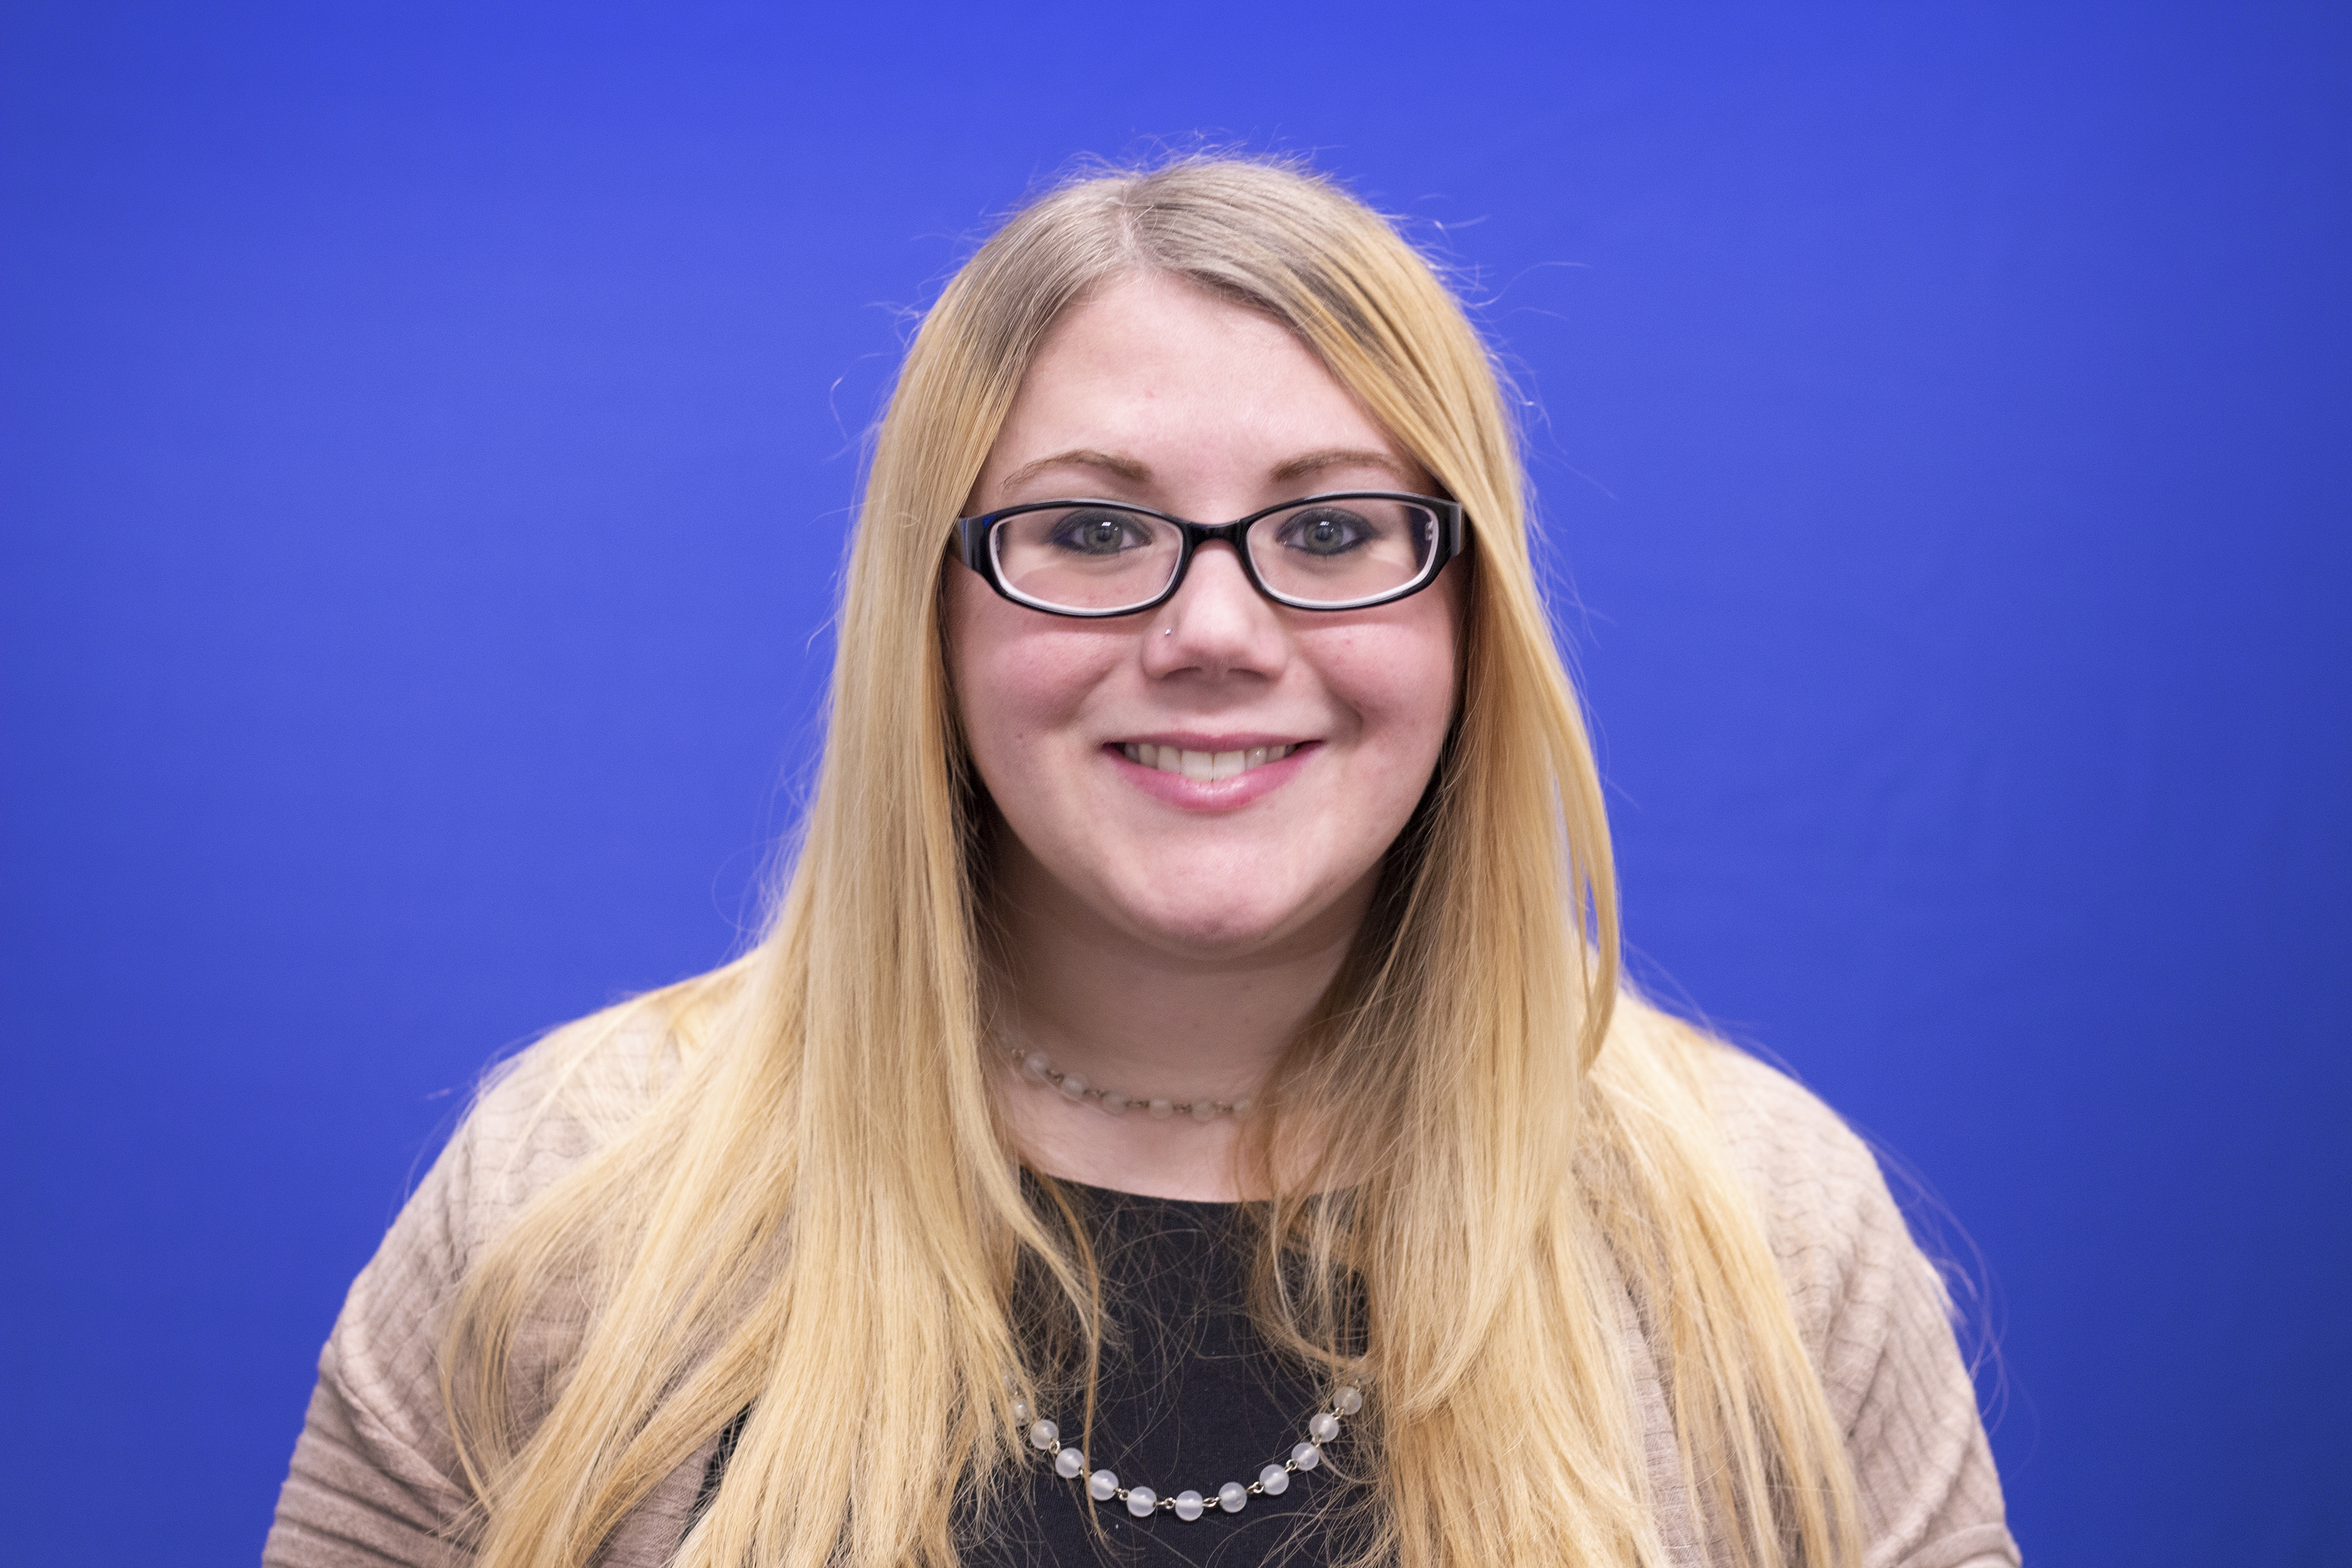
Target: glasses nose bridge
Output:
[
  {"x": 1219, "y": 533},
  {"x": 1232, "y": 535}
]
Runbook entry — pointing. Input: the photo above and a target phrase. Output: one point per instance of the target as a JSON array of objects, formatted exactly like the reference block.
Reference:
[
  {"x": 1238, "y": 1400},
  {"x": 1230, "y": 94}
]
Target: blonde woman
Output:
[{"x": 1184, "y": 1108}]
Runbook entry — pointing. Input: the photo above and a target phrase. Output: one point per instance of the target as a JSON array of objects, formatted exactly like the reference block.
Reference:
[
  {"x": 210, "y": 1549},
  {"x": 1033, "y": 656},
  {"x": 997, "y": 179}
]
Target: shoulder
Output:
[
  {"x": 1853, "y": 1271},
  {"x": 376, "y": 1475},
  {"x": 1816, "y": 1185},
  {"x": 542, "y": 1112},
  {"x": 1874, "y": 1316},
  {"x": 537, "y": 1116}
]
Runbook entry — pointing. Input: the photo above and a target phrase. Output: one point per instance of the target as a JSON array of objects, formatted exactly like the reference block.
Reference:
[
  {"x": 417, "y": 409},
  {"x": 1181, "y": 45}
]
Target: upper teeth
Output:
[{"x": 1207, "y": 766}]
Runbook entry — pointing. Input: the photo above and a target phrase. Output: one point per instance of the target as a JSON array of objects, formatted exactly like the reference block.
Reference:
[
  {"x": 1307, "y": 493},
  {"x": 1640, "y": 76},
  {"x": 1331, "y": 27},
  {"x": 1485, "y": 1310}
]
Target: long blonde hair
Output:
[{"x": 820, "y": 1220}]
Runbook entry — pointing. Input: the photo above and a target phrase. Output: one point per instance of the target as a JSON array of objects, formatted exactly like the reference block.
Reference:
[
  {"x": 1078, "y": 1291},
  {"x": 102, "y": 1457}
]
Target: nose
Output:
[{"x": 1217, "y": 623}]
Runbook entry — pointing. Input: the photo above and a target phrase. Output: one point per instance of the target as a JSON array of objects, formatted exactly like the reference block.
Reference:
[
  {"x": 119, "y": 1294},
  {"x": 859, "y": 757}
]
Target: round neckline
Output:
[{"x": 1222, "y": 1205}]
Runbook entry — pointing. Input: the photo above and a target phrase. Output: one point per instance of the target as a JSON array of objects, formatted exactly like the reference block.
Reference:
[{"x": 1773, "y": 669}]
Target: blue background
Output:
[{"x": 428, "y": 435}]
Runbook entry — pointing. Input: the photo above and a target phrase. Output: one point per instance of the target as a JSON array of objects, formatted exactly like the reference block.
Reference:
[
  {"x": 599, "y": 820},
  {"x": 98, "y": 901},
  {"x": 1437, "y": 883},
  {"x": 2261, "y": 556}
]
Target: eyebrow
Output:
[
  {"x": 1128, "y": 469},
  {"x": 1080, "y": 456},
  {"x": 1308, "y": 463}
]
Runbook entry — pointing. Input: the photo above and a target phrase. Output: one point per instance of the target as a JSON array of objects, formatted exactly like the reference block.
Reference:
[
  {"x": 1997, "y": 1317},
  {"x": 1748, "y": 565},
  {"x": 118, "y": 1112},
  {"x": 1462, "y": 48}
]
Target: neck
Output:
[{"x": 1146, "y": 1018}]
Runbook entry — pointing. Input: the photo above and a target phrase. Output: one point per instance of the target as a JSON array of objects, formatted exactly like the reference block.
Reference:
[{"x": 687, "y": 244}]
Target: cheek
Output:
[
  {"x": 1430, "y": 668},
  {"x": 1416, "y": 712},
  {"x": 1018, "y": 677},
  {"x": 1399, "y": 681}
]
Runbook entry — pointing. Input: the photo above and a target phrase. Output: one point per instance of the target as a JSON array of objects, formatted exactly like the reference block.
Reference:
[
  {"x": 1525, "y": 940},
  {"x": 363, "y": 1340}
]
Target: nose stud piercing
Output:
[{"x": 1168, "y": 631}]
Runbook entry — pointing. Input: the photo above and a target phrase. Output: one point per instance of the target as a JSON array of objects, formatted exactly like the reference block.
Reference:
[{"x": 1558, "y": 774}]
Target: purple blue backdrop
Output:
[{"x": 429, "y": 434}]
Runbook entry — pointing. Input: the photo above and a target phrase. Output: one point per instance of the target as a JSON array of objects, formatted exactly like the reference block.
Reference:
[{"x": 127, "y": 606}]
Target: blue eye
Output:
[
  {"x": 1099, "y": 532},
  {"x": 1326, "y": 531}
]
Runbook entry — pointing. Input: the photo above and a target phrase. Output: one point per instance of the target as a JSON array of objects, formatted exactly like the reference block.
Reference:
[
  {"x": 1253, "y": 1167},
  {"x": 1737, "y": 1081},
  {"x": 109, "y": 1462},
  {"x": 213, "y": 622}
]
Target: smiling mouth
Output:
[{"x": 1205, "y": 767}]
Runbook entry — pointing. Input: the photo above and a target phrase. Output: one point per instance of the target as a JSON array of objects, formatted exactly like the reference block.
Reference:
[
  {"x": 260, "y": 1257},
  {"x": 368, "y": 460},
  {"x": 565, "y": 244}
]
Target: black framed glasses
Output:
[{"x": 1345, "y": 551}]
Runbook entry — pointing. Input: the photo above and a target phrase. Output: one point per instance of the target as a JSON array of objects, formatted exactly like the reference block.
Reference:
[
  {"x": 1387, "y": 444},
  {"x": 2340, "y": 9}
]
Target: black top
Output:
[{"x": 1189, "y": 1397}]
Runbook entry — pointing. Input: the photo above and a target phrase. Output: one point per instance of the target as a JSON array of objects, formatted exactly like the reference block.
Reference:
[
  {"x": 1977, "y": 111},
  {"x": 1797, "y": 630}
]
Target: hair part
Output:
[{"x": 820, "y": 1218}]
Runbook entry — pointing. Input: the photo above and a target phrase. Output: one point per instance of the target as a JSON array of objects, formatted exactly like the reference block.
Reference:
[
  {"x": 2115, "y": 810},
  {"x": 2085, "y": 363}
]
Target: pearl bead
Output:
[
  {"x": 1244, "y": 1106},
  {"x": 1141, "y": 1501},
  {"x": 1037, "y": 1064},
  {"x": 1204, "y": 1111},
  {"x": 1161, "y": 1110},
  {"x": 1074, "y": 1088},
  {"x": 1114, "y": 1102}
]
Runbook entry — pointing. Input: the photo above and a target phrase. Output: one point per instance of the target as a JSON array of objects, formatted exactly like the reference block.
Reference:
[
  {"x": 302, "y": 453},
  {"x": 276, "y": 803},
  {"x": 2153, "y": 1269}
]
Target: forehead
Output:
[{"x": 1173, "y": 382}]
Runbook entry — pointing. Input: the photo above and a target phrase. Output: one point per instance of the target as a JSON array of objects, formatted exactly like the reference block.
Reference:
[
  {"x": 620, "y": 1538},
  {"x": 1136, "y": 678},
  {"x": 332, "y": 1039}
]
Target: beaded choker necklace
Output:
[
  {"x": 1103, "y": 1485},
  {"x": 1070, "y": 1463},
  {"x": 1039, "y": 1068}
]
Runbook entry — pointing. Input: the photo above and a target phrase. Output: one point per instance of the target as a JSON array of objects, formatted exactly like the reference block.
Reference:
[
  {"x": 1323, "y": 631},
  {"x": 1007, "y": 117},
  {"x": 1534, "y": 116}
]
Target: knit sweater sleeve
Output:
[
  {"x": 375, "y": 1479},
  {"x": 1875, "y": 1317}
]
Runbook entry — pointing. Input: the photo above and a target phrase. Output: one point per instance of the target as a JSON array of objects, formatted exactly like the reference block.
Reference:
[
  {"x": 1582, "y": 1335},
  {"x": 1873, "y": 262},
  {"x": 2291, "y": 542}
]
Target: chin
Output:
[{"x": 1217, "y": 928}]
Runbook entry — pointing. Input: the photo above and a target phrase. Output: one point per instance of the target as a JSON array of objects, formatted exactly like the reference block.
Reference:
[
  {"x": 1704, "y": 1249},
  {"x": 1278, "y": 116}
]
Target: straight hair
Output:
[{"x": 810, "y": 1209}]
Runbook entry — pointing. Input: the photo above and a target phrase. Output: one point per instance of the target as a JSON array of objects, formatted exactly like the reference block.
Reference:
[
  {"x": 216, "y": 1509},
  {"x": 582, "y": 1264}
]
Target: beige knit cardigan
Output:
[{"x": 375, "y": 1479}]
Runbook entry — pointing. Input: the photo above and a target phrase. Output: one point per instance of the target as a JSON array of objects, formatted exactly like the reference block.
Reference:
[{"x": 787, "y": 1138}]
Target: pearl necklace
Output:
[
  {"x": 1070, "y": 1464},
  {"x": 1039, "y": 1068}
]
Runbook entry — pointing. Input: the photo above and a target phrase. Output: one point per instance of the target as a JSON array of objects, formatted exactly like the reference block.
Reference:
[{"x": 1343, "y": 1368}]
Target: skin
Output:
[{"x": 1170, "y": 937}]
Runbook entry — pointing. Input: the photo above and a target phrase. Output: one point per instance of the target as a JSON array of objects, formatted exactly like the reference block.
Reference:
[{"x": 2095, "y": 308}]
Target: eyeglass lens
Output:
[{"x": 1331, "y": 554}]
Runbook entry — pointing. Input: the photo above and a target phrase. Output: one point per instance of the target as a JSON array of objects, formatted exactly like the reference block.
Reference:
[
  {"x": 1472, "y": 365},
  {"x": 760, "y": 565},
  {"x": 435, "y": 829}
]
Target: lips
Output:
[{"x": 1203, "y": 767}]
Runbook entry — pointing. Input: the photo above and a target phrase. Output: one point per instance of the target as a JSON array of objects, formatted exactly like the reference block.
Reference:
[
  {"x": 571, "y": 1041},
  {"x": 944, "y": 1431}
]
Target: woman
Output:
[{"x": 1184, "y": 1108}]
